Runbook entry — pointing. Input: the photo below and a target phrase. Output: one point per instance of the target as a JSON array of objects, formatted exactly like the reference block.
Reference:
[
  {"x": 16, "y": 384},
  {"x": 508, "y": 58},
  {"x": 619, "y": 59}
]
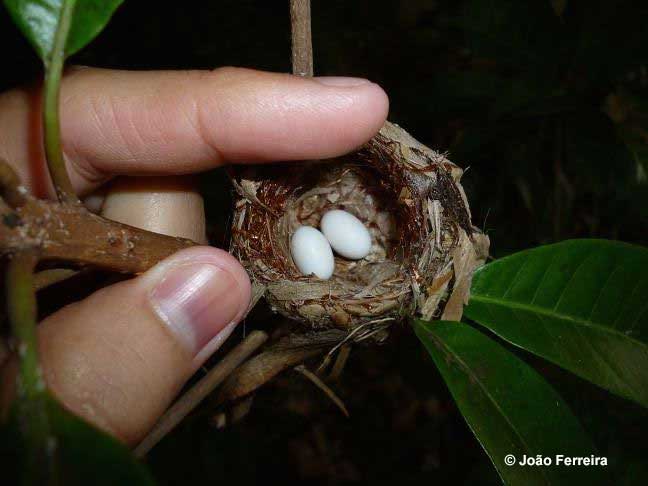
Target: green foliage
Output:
[
  {"x": 580, "y": 304},
  {"x": 39, "y": 20},
  {"x": 47, "y": 444},
  {"x": 30, "y": 408},
  {"x": 90, "y": 456},
  {"x": 77, "y": 453},
  {"x": 56, "y": 29},
  {"x": 515, "y": 92},
  {"x": 43, "y": 443},
  {"x": 508, "y": 405}
]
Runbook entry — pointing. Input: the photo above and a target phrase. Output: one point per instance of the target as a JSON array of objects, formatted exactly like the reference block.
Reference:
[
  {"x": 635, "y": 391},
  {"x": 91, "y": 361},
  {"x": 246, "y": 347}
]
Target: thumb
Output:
[{"x": 119, "y": 357}]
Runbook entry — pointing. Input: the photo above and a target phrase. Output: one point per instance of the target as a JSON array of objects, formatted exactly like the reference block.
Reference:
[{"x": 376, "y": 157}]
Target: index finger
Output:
[{"x": 178, "y": 122}]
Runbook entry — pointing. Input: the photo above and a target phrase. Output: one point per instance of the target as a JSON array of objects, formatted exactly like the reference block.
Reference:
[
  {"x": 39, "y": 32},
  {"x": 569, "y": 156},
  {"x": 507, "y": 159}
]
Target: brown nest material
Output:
[{"x": 424, "y": 250}]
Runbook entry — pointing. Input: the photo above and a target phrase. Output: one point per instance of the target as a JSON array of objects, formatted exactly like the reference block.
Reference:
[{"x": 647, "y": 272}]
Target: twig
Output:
[
  {"x": 324, "y": 387},
  {"x": 235, "y": 414},
  {"x": 288, "y": 352},
  {"x": 71, "y": 233},
  {"x": 340, "y": 362},
  {"x": 200, "y": 390},
  {"x": 302, "y": 44},
  {"x": 51, "y": 276},
  {"x": 10, "y": 188}
]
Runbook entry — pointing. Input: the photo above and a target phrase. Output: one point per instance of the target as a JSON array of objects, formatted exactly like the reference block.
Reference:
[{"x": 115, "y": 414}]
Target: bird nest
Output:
[{"x": 424, "y": 246}]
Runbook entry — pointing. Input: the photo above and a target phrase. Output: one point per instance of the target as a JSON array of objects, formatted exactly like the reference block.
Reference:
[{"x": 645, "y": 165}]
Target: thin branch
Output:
[
  {"x": 340, "y": 363},
  {"x": 324, "y": 387},
  {"x": 11, "y": 190},
  {"x": 31, "y": 403},
  {"x": 302, "y": 44},
  {"x": 52, "y": 276},
  {"x": 200, "y": 390},
  {"x": 51, "y": 108},
  {"x": 237, "y": 412},
  {"x": 288, "y": 352},
  {"x": 71, "y": 233},
  {"x": 21, "y": 302}
]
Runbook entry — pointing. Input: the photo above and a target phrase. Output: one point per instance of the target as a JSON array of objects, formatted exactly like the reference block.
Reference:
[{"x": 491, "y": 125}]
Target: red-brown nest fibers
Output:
[{"x": 424, "y": 250}]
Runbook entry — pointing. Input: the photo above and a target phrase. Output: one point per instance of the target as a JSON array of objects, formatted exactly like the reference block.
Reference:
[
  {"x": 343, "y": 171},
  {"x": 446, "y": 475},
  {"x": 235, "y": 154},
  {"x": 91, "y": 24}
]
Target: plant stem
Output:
[
  {"x": 286, "y": 353},
  {"x": 316, "y": 380},
  {"x": 302, "y": 45},
  {"x": 201, "y": 390},
  {"x": 11, "y": 190},
  {"x": 21, "y": 302},
  {"x": 53, "y": 276},
  {"x": 51, "y": 117},
  {"x": 31, "y": 403},
  {"x": 74, "y": 235}
]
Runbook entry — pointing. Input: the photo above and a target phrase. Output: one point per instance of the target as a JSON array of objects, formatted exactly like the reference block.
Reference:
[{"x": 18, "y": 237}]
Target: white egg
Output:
[
  {"x": 346, "y": 234},
  {"x": 311, "y": 252}
]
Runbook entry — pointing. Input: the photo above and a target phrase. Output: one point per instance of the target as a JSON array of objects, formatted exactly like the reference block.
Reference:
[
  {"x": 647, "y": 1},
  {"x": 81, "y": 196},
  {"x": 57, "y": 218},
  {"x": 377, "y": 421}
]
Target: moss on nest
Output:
[{"x": 424, "y": 250}]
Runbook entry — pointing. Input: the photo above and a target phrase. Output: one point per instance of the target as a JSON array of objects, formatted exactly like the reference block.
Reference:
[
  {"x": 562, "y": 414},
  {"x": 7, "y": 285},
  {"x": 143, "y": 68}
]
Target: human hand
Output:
[{"x": 119, "y": 357}]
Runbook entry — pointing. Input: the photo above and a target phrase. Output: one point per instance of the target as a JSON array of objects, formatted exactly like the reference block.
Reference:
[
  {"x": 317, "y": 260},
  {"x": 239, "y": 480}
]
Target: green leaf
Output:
[
  {"x": 79, "y": 453},
  {"x": 581, "y": 304},
  {"x": 84, "y": 451},
  {"x": 510, "y": 408},
  {"x": 39, "y": 20}
]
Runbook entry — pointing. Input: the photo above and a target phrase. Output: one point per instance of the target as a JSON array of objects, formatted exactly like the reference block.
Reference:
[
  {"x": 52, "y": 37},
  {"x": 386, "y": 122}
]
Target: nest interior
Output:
[{"x": 408, "y": 196}]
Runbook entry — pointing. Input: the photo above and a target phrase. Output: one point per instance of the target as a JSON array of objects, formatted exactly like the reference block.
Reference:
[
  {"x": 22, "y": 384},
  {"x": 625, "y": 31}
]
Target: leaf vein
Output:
[
  {"x": 485, "y": 391},
  {"x": 552, "y": 314},
  {"x": 602, "y": 290},
  {"x": 571, "y": 278}
]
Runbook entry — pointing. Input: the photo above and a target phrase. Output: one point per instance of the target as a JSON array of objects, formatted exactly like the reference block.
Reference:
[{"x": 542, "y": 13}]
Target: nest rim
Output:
[{"x": 410, "y": 198}]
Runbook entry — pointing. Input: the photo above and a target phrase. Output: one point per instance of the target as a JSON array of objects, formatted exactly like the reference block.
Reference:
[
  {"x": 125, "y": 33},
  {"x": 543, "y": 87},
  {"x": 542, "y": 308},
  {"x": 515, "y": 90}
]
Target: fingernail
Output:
[
  {"x": 341, "y": 82},
  {"x": 197, "y": 302}
]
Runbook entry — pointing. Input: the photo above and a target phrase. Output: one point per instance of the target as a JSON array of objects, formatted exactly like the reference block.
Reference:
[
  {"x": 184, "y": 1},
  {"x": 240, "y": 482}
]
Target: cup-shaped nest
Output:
[{"x": 424, "y": 246}]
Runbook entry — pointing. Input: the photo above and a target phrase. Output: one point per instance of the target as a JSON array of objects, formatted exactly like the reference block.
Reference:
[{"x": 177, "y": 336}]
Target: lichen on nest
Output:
[{"x": 424, "y": 249}]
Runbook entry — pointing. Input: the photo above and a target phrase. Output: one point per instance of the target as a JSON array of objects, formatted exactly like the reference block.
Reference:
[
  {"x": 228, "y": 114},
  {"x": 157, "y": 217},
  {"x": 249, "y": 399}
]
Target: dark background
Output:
[{"x": 545, "y": 102}]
